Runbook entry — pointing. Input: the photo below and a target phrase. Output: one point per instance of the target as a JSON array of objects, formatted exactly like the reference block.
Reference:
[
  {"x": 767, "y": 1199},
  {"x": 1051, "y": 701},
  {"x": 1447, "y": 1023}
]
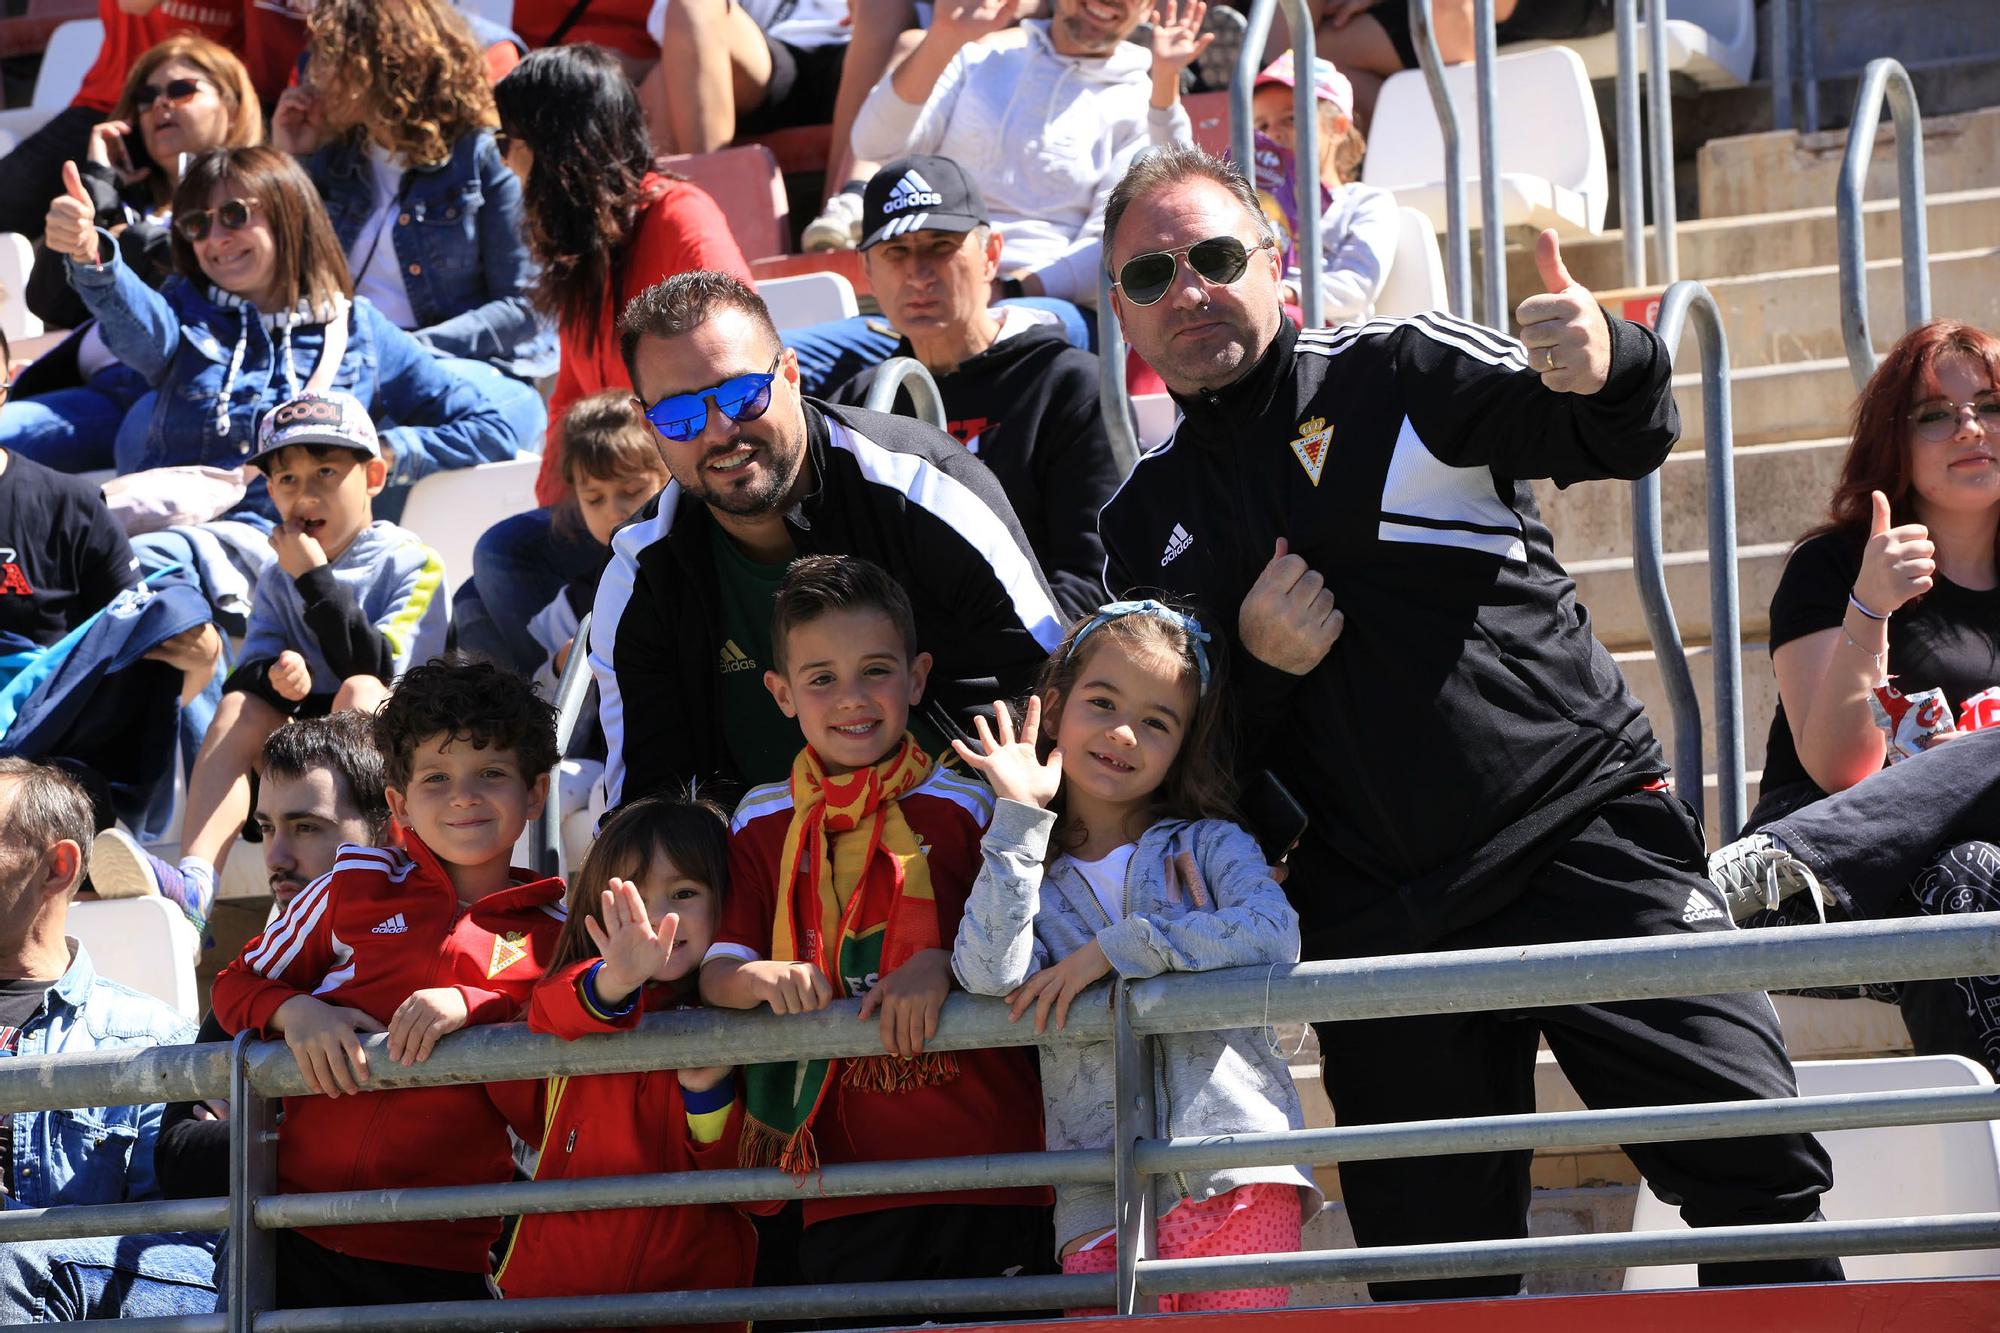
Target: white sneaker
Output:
[
  {"x": 838, "y": 227},
  {"x": 1756, "y": 873}
]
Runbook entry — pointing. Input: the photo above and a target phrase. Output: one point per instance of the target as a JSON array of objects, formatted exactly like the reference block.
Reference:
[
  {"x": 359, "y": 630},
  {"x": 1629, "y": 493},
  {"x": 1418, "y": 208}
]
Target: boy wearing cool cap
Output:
[{"x": 348, "y": 604}]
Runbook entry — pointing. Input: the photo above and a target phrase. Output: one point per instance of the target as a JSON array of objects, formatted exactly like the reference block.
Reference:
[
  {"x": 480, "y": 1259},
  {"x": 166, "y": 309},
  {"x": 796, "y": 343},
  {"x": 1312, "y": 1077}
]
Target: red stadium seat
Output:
[
  {"x": 1210, "y": 114},
  {"x": 802, "y": 150},
  {"x": 30, "y": 32},
  {"x": 745, "y": 183}
]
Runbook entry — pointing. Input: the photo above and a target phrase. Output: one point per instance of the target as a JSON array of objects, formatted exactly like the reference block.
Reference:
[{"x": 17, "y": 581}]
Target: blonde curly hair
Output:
[{"x": 411, "y": 67}]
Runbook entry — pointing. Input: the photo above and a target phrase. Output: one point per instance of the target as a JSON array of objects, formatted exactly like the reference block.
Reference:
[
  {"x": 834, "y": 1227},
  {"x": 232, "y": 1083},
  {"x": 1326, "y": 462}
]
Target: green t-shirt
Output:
[{"x": 761, "y": 740}]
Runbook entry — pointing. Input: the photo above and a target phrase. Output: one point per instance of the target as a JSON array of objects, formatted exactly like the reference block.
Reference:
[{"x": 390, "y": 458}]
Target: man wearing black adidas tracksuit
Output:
[{"x": 1412, "y": 663}]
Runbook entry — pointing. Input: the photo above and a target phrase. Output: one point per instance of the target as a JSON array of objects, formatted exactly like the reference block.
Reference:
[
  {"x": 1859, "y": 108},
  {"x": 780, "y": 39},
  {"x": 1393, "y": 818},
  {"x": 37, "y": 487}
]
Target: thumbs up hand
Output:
[
  {"x": 1568, "y": 342},
  {"x": 71, "y": 227},
  {"x": 1898, "y": 564}
]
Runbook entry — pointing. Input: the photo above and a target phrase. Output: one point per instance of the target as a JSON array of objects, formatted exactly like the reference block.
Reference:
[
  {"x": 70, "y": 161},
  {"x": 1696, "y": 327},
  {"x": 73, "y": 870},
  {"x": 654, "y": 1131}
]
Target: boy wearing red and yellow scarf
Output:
[{"x": 849, "y": 880}]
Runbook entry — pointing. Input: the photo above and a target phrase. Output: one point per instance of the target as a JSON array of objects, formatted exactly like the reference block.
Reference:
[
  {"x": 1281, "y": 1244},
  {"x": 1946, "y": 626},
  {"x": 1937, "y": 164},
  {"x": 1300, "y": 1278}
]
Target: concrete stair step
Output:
[
  {"x": 1608, "y": 589},
  {"x": 1802, "y": 400},
  {"x": 1730, "y": 247},
  {"x": 1760, "y": 697},
  {"x": 1795, "y": 316},
  {"x": 1849, "y": 33},
  {"x": 1781, "y": 170},
  {"x": 1781, "y": 493}
]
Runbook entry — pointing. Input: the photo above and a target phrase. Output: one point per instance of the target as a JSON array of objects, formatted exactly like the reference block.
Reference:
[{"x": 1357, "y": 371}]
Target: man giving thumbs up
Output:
[{"x": 1409, "y": 658}]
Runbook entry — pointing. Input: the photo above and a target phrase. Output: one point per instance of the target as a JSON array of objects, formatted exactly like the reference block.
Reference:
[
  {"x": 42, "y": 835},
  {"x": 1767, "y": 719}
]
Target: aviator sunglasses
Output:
[
  {"x": 178, "y": 92},
  {"x": 1937, "y": 420},
  {"x": 740, "y": 398},
  {"x": 1219, "y": 260},
  {"x": 232, "y": 214}
]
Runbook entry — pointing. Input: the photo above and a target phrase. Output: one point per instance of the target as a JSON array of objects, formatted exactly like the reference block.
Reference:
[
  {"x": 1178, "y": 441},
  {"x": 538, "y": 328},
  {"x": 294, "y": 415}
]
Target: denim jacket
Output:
[
  {"x": 1025, "y": 914},
  {"x": 460, "y": 241},
  {"x": 90, "y": 1154},
  {"x": 184, "y": 343}
]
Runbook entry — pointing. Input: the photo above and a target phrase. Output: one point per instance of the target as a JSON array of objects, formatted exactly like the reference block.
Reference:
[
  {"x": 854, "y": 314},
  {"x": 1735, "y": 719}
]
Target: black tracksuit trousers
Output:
[{"x": 1637, "y": 868}]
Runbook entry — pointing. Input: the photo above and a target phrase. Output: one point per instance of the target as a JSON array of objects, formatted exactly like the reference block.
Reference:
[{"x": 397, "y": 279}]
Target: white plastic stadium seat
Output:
[
  {"x": 1899, "y": 1171},
  {"x": 1157, "y": 418},
  {"x": 1416, "y": 277},
  {"x": 1710, "y": 42},
  {"x": 145, "y": 943},
  {"x": 17, "y": 259},
  {"x": 809, "y": 298},
  {"x": 72, "y": 47},
  {"x": 1552, "y": 170},
  {"x": 493, "y": 11},
  {"x": 450, "y": 509}
]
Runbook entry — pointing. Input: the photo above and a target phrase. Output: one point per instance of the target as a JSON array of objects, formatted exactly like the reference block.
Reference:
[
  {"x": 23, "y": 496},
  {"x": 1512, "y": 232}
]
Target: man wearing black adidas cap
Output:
[
  {"x": 1015, "y": 392},
  {"x": 1412, "y": 663}
]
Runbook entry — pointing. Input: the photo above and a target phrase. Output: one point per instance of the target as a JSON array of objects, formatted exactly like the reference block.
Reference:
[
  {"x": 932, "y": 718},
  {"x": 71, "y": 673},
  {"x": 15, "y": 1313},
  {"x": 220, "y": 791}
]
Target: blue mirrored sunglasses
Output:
[{"x": 740, "y": 398}]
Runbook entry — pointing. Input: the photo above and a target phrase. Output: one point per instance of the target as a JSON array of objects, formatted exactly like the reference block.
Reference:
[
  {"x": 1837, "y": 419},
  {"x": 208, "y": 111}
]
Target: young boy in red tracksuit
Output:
[
  {"x": 850, "y": 880},
  {"x": 387, "y": 942},
  {"x": 641, "y": 914}
]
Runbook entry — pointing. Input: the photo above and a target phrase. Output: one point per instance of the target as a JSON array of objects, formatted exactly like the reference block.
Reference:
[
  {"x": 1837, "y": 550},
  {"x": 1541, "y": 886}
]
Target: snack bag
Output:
[
  {"x": 1981, "y": 710},
  {"x": 1909, "y": 722}
]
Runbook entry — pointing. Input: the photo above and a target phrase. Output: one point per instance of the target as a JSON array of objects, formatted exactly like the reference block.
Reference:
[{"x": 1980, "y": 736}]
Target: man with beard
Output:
[
  {"x": 681, "y": 634},
  {"x": 1412, "y": 663}
]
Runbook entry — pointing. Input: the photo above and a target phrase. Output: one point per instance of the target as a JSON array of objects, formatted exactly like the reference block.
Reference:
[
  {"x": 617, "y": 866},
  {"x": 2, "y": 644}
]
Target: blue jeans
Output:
[
  {"x": 106, "y": 1277},
  {"x": 519, "y": 566},
  {"x": 518, "y": 401},
  {"x": 833, "y": 353},
  {"x": 72, "y": 430}
]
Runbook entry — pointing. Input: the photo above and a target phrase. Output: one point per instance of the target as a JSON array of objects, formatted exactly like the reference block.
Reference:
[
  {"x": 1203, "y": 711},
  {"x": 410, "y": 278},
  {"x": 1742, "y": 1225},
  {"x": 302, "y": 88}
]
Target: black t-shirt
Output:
[
  {"x": 19, "y": 1002},
  {"x": 1948, "y": 639},
  {"x": 62, "y": 555}
]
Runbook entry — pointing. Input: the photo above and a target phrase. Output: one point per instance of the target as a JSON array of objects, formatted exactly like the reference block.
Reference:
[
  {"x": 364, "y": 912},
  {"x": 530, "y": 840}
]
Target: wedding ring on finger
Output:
[{"x": 1549, "y": 359}]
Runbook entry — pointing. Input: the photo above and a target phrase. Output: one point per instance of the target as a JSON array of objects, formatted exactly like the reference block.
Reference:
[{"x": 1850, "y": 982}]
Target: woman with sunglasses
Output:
[
  {"x": 1902, "y": 581},
  {"x": 393, "y": 122},
  {"x": 261, "y": 308},
  {"x": 184, "y": 96},
  {"x": 605, "y": 226}
]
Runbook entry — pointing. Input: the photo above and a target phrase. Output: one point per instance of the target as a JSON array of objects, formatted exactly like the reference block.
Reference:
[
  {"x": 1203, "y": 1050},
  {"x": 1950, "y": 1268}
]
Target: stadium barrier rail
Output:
[
  {"x": 254, "y": 1074},
  {"x": 1884, "y": 79}
]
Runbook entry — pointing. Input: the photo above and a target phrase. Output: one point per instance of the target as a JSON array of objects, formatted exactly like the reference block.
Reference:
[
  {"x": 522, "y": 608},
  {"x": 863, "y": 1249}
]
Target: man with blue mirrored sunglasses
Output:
[{"x": 681, "y": 632}]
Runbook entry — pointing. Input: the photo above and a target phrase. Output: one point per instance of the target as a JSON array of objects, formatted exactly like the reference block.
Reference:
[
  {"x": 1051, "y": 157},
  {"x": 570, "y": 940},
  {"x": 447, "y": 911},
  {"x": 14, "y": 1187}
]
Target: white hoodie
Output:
[{"x": 1045, "y": 135}]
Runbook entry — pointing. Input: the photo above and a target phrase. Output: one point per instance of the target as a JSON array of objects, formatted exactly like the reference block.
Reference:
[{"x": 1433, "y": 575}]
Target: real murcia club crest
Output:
[
  {"x": 508, "y": 949},
  {"x": 1314, "y": 436}
]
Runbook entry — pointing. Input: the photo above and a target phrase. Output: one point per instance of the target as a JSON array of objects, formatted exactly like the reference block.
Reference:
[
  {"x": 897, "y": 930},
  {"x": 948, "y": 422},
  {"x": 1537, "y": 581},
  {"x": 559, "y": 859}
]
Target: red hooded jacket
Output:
[
  {"x": 381, "y": 925},
  {"x": 622, "y": 1125}
]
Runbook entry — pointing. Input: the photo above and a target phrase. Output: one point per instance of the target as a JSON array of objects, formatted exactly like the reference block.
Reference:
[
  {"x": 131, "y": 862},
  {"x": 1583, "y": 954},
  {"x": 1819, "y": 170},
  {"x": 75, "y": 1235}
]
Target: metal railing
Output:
[
  {"x": 1114, "y": 404},
  {"x": 1587, "y": 972},
  {"x": 908, "y": 374},
  {"x": 1653, "y": 148},
  {"x": 1883, "y": 79},
  {"x": 1305, "y": 132},
  {"x": 1457, "y": 228},
  {"x": 1685, "y": 301}
]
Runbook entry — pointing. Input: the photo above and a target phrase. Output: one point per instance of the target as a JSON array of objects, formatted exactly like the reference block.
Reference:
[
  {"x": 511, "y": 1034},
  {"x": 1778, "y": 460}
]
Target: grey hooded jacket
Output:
[{"x": 1024, "y": 915}]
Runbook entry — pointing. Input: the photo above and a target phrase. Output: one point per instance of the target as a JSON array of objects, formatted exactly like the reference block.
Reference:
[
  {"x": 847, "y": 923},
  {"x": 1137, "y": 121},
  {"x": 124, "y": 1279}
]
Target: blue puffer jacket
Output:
[
  {"x": 90, "y": 1154},
  {"x": 186, "y": 343},
  {"x": 460, "y": 242}
]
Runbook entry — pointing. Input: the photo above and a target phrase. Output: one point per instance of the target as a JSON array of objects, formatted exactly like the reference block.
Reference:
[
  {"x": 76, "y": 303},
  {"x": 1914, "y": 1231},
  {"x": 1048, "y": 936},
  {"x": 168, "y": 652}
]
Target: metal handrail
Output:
[
  {"x": 1597, "y": 971},
  {"x": 1653, "y": 150},
  {"x": 1884, "y": 78},
  {"x": 1457, "y": 230},
  {"x": 906, "y": 373},
  {"x": 1305, "y": 132},
  {"x": 571, "y": 691},
  {"x": 1778, "y": 61},
  {"x": 1492, "y": 230},
  {"x": 1684, "y": 301},
  {"x": 1114, "y": 403}
]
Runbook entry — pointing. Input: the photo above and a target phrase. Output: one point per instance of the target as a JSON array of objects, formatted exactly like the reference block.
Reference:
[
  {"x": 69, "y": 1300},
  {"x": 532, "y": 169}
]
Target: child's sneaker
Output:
[
  {"x": 121, "y": 868},
  {"x": 838, "y": 227}
]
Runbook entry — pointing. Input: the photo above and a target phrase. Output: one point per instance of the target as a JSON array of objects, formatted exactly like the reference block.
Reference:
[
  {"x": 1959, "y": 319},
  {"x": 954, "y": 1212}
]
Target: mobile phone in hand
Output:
[{"x": 1273, "y": 815}]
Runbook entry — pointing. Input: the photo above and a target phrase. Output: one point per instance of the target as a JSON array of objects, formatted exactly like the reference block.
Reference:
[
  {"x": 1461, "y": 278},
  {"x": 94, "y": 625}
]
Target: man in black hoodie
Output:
[
  {"x": 681, "y": 631},
  {"x": 1015, "y": 392},
  {"x": 1411, "y": 661}
]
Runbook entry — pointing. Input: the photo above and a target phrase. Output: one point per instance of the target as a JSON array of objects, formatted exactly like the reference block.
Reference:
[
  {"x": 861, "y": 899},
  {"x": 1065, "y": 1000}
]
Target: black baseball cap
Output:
[{"x": 920, "y": 194}]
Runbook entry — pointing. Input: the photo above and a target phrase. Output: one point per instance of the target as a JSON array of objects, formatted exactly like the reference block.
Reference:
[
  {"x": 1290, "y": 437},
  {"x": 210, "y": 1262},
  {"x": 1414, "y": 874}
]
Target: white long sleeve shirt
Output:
[
  {"x": 1357, "y": 242},
  {"x": 1045, "y": 135}
]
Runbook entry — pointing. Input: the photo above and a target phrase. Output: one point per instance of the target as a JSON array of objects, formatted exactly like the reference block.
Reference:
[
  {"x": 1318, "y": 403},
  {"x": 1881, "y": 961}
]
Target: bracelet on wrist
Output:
[
  {"x": 1880, "y": 659},
  {"x": 1863, "y": 608}
]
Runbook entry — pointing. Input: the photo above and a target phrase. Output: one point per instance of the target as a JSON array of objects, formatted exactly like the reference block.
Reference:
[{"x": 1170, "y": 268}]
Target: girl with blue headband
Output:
[{"x": 1113, "y": 849}]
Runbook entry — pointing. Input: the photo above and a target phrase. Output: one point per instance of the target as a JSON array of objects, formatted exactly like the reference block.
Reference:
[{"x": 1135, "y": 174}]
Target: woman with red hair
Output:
[{"x": 1902, "y": 584}]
